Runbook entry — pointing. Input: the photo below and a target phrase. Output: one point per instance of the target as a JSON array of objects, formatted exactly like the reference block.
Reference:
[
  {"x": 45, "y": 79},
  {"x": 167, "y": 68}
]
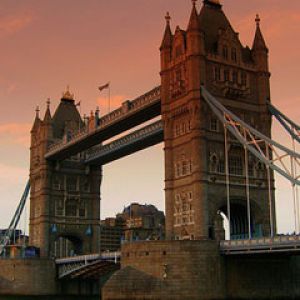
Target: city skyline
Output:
[{"x": 118, "y": 56}]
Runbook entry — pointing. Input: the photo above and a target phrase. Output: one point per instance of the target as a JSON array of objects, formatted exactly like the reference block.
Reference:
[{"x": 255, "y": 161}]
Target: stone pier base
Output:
[
  {"x": 188, "y": 270},
  {"x": 27, "y": 277},
  {"x": 168, "y": 270}
]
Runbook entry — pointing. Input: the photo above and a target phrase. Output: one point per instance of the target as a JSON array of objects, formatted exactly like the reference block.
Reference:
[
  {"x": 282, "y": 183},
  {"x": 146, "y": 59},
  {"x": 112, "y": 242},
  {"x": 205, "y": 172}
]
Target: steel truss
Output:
[
  {"x": 4, "y": 241},
  {"x": 272, "y": 154},
  {"x": 291, "y": 127}
]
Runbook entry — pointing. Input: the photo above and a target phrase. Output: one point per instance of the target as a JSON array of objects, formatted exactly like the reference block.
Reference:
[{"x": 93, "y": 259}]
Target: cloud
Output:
[
  {"x": 14, "y": 23},
  {"x": 277, "y": 24},
  {"x": 15, "y": 133}
]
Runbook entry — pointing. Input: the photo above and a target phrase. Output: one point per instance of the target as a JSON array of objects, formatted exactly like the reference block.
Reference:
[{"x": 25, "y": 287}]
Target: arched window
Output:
[{"x": 213, "y": 163}]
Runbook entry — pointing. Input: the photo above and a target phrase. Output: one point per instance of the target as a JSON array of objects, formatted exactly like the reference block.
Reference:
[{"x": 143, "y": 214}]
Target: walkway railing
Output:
[
  {"x": 127, "y": 108},
  {"x": 261, "y": 245},
  {"x": 129, "y": 139}
]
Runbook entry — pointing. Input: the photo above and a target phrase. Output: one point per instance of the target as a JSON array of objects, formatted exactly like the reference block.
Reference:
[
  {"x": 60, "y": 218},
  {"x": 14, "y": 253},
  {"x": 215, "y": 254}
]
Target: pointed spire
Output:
[
  {"x": 168, "y": 37},
  {"x": 259, "y": 41},
  {"x": 194, "y": 20},
  {"x": 67, "y": 95},
  {"x": 37, "y": 112},
  {"x": 47, "y": 117},
  {"x": 37, "y": 120}
]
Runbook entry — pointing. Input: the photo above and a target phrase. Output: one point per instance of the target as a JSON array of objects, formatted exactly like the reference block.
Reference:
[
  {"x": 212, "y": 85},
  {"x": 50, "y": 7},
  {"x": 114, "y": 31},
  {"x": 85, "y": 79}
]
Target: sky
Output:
[{"x": 47, "y": 45}]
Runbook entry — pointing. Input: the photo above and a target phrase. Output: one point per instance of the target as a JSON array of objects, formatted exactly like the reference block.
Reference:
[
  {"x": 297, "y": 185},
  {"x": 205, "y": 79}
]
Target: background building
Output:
[{"x": 136, "y": 222}]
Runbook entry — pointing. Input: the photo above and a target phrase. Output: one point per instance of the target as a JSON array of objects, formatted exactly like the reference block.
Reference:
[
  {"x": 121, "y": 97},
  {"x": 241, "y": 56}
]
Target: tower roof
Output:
[
  {"x": 65, "y": 112},
  {"x": 212, "y": 19},
  {"x": 37, "y": 120},
  {"x": 194, "y": 20},
  {"x": 214, "y": 3},
  {"x": 67, "y": 95},
  {"x": 47, "y": 117},
  {"x": 259, "y": 41},
  {"x": 168, "y": 37}
]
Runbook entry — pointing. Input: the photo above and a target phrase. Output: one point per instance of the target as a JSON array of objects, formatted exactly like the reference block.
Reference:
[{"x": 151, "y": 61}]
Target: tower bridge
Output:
[{"x": 215, "y": 120}]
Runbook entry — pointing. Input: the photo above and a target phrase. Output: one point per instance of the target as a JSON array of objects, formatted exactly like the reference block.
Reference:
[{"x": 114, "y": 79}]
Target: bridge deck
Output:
[
  {"x": 136, "y": 141},
  {"x": 129, "y": 115}
]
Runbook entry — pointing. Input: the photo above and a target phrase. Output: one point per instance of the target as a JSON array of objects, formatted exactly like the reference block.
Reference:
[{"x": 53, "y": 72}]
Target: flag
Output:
[{"x": 105, "y": 86}]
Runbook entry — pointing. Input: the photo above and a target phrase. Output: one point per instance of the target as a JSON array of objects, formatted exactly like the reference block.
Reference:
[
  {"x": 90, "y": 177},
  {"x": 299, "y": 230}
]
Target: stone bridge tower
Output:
[
  {"x": 65, "y": 196},
  {"x": 209, "y": 53}
]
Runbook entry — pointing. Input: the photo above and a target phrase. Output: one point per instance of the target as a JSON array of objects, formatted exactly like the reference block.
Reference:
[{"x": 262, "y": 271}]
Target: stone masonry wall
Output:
[
  {"x": 168, "y": 270},
  {"x": 27, "y": 277}
]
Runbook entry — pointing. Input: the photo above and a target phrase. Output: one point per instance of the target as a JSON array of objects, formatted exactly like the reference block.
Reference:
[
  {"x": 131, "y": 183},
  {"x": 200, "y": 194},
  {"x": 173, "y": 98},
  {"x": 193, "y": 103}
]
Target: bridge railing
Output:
[
  {"x": 88, "y": 258},
  {"x": 268, "y": 244},
  {"x": 126, "y": 108}
]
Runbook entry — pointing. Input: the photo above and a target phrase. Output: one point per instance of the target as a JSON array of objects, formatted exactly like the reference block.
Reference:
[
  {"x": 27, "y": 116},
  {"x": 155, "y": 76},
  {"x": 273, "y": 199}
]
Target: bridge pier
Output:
[
  {"x": 168, "y": 270},
  {"x": 38, "y": 277},
  {"x": 188, "y": 270}
]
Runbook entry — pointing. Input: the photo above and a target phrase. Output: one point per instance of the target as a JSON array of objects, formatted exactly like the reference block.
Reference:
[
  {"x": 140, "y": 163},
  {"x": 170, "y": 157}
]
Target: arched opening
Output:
[
  {"x": 65, "y": 246},
  {"x": 239, "y": 222}
]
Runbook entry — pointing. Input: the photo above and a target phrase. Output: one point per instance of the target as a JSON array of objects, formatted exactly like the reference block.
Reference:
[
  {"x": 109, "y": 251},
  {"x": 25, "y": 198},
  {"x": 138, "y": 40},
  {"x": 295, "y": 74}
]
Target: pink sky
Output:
[{"x": 46, "y": 45}]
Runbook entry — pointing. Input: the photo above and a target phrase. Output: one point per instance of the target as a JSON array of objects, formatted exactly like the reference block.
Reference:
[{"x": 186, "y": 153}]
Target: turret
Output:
[
  {"x": 259, "y": 49},
  {"x": 166, "y": 45},
  {"x": 47, "y": 122},
  {"x": 195, "y": 48},
  {"x": 37, "y": 121}
]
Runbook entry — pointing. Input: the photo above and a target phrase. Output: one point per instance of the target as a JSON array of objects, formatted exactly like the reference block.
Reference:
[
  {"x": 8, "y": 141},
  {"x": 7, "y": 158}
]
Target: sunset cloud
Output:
[
  {"x": 15, "y": 133},
  {"x": 14, "y": 23},
  {"x": 115, "y": 102}
]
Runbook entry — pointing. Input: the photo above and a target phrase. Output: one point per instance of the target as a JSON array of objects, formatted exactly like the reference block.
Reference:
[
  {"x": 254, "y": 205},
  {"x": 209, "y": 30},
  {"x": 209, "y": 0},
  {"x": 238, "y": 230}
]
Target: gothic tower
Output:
[
  {"x": 65, "y": 196},
  {"x": 209, "y": 53}
]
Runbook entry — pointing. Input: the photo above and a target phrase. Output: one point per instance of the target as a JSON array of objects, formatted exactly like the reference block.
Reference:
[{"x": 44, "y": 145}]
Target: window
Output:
[
  {"x": 244, "y": 78},
  {"x": 226, "y": 75},
  {"x": 213, "y": 163},
  {"x": 235, "y": 76},
  {"x": 214, "y": 124},
  {"x": 59, "y": 207},
  {"x": 81, "y": 209},
  {"x": 185, "y": 168},
  {"x": 225, "y": 52},
  {"x": 217, "y": 74},
  {"x": 233, "y": 55},
  {"x": 56, "y": 184},
  {"x": 235, "y": 165},
  {"x": 72, "y": 184},
  {"x": 221, "y": 167},
  {"x": 71, "y": 207}
]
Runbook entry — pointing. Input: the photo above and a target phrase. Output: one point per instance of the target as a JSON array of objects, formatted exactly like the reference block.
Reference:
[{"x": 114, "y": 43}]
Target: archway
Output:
[
  {"x": 67, "y": 245},
  {"x": 239, "y": 228}
]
